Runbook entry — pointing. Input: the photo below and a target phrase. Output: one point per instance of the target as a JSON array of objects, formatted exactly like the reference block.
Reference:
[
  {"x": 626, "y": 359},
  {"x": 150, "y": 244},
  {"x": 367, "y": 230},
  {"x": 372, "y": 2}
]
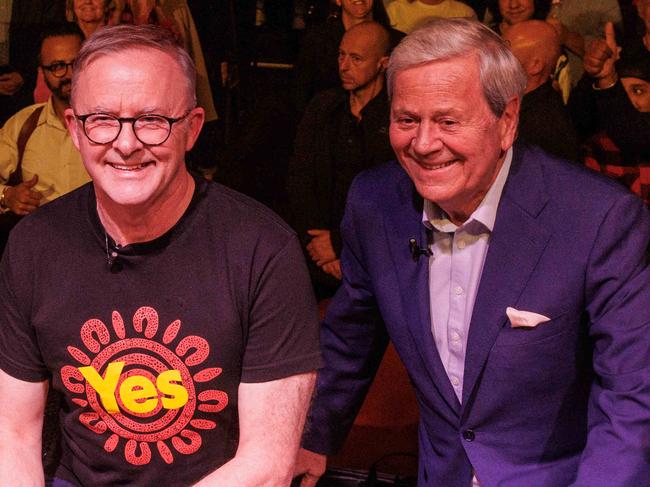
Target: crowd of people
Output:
[{"x": 439, "y": 164}]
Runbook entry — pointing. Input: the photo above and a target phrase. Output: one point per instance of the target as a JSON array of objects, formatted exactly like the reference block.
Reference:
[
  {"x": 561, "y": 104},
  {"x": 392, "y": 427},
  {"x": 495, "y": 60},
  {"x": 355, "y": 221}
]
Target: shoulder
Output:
[
  {"x": 380, "y": 184},
  {"x": 241, "y": 216},
  {"x": 16, "y": 121},
  {"x": 462, "y": 9},
  {"x": 570, "y": 187},
  {"x": 325, "y": 101}
]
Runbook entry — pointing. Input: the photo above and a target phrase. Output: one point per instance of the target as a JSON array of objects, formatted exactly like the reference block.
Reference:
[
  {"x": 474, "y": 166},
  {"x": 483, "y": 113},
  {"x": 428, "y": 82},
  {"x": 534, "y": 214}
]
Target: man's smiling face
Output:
[
  {"x": 445, "y": 136},
  {"x": 128, "y": 84}
]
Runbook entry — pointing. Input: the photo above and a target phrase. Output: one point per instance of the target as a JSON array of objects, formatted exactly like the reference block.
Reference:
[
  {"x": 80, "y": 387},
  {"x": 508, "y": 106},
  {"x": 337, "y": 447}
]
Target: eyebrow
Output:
[
  {"x": 143, "y": 111},
  {"x": 56, "y": 61}
]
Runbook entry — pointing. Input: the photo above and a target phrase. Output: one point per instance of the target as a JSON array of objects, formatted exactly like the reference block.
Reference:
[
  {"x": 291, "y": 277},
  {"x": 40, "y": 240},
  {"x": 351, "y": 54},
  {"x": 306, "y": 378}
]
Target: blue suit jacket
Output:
[{"x": 564, "y": 403}]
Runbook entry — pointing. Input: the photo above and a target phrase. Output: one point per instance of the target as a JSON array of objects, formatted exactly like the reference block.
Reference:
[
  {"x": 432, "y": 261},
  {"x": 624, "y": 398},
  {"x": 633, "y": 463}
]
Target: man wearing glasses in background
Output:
[
  {"x": 51, "y": 165},
  {"x": 174, "y": 315}
]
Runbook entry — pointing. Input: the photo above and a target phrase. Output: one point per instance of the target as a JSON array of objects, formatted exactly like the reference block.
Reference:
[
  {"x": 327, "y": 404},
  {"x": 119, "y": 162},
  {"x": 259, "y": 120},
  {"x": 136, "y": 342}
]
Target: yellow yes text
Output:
[{"x": 137, "y": 393}]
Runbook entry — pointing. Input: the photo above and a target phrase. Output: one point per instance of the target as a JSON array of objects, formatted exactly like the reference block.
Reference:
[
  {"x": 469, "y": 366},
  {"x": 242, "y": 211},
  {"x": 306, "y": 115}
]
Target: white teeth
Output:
[
  {"x": 128, "y": 168},
  {"x": 439, "y": 166}
]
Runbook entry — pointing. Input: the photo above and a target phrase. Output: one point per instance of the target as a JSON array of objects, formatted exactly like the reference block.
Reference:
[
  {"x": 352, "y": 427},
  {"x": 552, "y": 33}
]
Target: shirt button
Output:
[
  {"x": 455, "y": 381},
  {"x": 458, "y": 290},
  {"x": 455, "y": 336},
  {"x": 468, "y": 435},
  {"x": 461, "y": 244}
]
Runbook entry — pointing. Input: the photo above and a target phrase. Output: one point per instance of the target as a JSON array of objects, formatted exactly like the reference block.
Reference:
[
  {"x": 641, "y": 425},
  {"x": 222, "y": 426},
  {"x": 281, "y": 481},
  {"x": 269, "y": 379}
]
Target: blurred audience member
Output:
[
  {"x": 612, "y": 101},
  {"x": 578, "y": 22},
  {"x": 344, "y": 131},
  {"x": 178, "y": 13},
  {"x": 316, "y": 68},
  {"x": 502, "y": 14},
  {"x": 21, "y": 23},
  {"x": 406, "y": 15},
  {"x": 543, "y": 118},
  {"x": 50, "y": 164},
  {"x": 89, "y": 15}
]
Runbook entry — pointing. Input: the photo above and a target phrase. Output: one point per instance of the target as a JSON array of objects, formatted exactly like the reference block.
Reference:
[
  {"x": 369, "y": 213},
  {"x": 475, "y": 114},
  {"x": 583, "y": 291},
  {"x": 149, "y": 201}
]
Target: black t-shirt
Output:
[{"x": 149, "y": 347}]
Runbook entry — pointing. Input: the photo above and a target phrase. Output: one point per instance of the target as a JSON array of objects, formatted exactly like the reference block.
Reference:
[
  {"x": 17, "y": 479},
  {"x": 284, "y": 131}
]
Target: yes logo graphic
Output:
[
  {"x": 138, "y": 394},
  {"x": 148, "y": 390}
]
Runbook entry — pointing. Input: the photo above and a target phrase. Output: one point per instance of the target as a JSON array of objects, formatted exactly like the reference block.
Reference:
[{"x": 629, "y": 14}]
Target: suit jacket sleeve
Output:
[
  {"x": 353, "y": 341},
  {"x": 617, "y": 293}
]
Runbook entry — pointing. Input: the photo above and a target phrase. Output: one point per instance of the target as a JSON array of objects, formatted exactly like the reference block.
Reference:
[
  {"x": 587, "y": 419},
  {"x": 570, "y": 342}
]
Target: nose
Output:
[
  {"x": 344, "y": 63},
  {"x": 426, "y": 140},
  {"x": 127, "y": 143}
]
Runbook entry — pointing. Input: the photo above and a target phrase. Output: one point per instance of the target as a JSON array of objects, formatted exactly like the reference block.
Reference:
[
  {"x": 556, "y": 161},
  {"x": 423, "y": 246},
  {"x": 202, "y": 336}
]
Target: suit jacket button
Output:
[{"x": 468, "y": 435}]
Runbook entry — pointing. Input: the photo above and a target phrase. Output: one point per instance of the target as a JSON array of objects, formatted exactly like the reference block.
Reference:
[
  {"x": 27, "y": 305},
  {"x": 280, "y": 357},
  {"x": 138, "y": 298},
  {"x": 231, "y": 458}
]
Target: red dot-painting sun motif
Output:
[{"x": 141, "y": 424}]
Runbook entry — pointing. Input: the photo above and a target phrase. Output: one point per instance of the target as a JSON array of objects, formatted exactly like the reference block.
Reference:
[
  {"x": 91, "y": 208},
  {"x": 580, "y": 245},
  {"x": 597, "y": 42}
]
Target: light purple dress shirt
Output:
[{"x": 455, "y": 267}]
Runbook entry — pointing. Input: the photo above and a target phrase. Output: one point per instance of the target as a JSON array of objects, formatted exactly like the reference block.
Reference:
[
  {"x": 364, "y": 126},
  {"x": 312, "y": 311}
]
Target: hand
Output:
[
  {"x": 311, "y": 466},
  {"x": 333, "y": 268},
  {"x": 600, "y": 57},
  {"x": 320, "y": 247},
  {"x": 10, "y": 83},
  {"x": 21, "y": 199}
]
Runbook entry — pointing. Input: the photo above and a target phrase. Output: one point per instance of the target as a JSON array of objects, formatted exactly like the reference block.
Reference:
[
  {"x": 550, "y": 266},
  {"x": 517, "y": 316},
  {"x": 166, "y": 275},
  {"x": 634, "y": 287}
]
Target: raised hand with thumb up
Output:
[
  {"x": 22, "y": 199},
  {"x": 601, "y": 56}
]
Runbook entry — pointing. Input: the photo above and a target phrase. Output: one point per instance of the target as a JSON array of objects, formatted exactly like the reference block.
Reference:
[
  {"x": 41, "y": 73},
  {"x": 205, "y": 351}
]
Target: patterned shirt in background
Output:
[{"x": 604, "y": 156}]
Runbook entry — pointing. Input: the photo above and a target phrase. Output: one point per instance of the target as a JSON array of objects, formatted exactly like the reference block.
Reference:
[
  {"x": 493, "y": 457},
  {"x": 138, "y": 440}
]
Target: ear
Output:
[
  {"x": 195, "y": 121},
  {"x": 535, "y": 66},
  {"x": 383, "y": 63},
  {"x": 74, "y": 127},
  {"x": 508, "y": 123}
]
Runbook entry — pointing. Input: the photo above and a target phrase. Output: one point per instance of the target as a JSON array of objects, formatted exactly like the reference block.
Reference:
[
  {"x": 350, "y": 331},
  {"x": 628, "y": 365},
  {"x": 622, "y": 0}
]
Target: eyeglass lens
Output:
[
  {"x": 58, "y": 69},
  {"x": 149, "y": 129}
]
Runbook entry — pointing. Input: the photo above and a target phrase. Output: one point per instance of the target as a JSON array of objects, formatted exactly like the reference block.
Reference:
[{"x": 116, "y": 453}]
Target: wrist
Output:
[
  {"x": 3, "y": 199},
  {"x": 605, "y": 83}
]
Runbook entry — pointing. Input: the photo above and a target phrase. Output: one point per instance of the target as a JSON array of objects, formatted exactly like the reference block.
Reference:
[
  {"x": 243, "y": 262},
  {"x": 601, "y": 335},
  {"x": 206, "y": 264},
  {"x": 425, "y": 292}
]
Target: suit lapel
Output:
[
  {"x": 402, "y": 223},
  {"x": 516, "y": 244}
]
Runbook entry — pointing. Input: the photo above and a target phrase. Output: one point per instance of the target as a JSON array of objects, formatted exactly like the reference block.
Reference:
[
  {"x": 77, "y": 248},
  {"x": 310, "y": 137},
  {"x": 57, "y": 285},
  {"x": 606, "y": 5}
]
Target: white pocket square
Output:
[{"x": 526, "y": 319}]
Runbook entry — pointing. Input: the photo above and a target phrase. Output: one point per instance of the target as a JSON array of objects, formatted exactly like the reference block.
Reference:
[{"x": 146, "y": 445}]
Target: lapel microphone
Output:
[{"x": 417, "y": 251}]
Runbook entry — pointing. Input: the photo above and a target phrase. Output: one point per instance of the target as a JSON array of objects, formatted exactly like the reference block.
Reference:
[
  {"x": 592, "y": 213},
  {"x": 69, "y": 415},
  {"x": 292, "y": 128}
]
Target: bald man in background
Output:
[
  {"x": 344, "y": 131},
  {"x": 544, "y": 120}
]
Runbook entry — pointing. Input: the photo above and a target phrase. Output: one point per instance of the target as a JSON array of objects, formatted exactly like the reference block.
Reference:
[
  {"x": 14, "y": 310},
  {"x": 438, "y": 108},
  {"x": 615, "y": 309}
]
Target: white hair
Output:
[{"x": 502, "y": 77}]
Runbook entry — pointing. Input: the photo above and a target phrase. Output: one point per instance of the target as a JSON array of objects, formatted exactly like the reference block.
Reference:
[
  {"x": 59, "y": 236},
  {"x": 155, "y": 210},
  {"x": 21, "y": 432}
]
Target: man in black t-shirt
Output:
[{"x": 174, "y": 315}]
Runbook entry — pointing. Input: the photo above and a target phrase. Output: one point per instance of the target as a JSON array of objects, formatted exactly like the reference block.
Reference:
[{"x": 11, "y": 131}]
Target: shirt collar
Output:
[
  {"x": 50, "y": 117},
  {"x": 434, "y": 217}
]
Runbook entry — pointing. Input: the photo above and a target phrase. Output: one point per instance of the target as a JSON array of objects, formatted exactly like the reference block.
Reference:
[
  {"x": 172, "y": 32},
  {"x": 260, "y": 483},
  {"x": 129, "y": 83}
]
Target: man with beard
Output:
[{"x": 51, "y": 165}]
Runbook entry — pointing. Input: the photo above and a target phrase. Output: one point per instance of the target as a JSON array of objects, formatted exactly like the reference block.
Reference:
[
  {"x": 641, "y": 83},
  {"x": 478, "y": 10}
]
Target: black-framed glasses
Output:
[
  {"x": 59, "y": 68},
  {"x": 150, "y": 129}
]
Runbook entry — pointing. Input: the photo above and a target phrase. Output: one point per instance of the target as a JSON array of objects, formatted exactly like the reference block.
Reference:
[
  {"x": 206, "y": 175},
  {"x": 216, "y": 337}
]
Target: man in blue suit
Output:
[{"x": 514, "y": 286}]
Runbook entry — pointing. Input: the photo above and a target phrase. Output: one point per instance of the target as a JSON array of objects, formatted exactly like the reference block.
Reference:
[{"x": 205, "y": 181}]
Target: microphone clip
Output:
[{"x": 417, "y": 251}]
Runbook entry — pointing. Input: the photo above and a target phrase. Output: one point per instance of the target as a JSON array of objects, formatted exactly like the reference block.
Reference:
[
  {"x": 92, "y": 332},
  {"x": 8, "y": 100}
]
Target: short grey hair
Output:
[
  {"x": 502, "y": 77},
  {"x": 120, "y": 38}
]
